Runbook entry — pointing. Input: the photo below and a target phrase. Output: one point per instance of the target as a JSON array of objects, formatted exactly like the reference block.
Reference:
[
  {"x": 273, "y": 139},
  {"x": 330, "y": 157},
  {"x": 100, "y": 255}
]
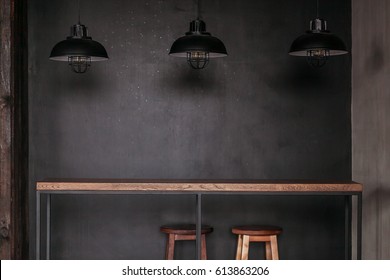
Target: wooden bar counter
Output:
[
  {"x": 199, "y": 188},
  {"x": 197, "y": 185}
]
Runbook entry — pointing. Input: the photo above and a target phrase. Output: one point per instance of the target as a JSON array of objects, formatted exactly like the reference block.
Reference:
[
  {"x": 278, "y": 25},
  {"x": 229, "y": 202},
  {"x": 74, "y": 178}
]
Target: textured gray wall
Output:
[
  {"x": 258, "y": 113},
  {"x": 371, "y": 121}
]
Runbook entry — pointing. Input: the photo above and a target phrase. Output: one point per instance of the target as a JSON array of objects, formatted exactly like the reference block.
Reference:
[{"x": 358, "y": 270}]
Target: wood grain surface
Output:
[{"x": 197, "y": 185}]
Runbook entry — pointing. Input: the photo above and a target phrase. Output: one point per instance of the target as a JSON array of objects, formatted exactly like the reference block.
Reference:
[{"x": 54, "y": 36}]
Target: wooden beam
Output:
[
  {"x": 13, "y": 130},
  {"x": 5, "y": 129}
]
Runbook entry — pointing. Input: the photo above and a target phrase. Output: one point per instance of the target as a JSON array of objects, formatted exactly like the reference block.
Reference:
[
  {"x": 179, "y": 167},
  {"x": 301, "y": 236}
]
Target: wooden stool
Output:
[
  {"x": 267, "y": 234},
  {"x": 184, "y": 232}
]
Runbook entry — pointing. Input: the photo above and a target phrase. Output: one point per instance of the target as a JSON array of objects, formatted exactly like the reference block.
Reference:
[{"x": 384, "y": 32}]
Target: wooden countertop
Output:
[{"x": 155, "y": 185}]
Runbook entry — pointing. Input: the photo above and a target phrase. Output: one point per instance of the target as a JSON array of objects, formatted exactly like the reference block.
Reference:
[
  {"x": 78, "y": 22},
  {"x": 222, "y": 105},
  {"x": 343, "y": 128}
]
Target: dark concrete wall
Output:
[{"x": 257, "y": 113}]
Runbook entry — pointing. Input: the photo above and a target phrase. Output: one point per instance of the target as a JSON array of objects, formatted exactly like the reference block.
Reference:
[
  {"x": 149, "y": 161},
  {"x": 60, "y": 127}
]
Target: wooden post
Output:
[{"x": 13, "y": 130}]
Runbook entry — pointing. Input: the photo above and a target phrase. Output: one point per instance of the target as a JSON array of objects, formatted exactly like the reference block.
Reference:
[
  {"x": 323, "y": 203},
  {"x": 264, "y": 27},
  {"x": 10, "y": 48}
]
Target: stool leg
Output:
[
  {"x": 203, "y": 248},
  {"x": 274, "y": 247},
  {"x": 245, "y": 247},
  {"x": 170, "y": 247},
  {"x": 239, "y": 247},
  {"x": 268, "y": 252}
]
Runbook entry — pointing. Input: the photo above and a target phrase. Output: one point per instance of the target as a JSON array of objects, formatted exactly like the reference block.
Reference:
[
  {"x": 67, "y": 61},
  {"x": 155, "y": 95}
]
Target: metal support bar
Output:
[
  {"x": 38, "y": 225},
  {"x": 48, "y": 204},
  {"x": 359, "y": 226},
  {"x": 348, "y": 227},
  {"x": 198, "y": 226}
]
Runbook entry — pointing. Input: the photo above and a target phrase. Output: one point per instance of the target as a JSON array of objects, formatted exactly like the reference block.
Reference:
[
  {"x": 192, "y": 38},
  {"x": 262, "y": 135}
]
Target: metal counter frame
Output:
[{"x": 198, "y": 190}]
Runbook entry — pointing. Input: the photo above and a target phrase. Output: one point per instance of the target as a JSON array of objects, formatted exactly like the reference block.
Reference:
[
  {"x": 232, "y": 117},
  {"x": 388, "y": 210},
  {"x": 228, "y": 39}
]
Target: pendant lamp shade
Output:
[
  {"x": 317, "y": 44},
  {"x": 198, "y": 46},
  {"x": 79, "y": 50}
]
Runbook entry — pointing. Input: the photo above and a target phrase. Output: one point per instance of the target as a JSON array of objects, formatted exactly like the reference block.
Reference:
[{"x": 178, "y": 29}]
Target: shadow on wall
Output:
[
  {"x": 90, "y": 84},
  {"x": 374, "y": 63},
  {"x": 188, "y": 80},
  {"x": 302, "y": 78}
]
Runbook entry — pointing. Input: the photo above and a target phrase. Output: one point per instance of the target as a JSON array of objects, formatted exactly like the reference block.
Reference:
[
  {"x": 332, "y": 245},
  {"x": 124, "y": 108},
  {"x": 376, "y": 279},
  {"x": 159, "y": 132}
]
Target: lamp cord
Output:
[
  {"x": 199, "y": 10},
  {"x": 78, "y": 5},
  {"x": 318, "y": 8}
]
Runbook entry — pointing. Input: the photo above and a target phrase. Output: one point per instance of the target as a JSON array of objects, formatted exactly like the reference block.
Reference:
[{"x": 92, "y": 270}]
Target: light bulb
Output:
[
  {"x": 198, "y": 60},
  {"x": 79, "y": 64},
  {"x": 317, "y": 58}
]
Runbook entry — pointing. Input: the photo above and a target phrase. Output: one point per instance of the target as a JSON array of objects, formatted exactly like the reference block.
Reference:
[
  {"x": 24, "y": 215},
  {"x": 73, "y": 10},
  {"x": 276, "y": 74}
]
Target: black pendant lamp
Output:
[
  {"x": 198, "y": 46},
  {"x": 317, "y": 44},
  {"x": 79, "y": 50}
]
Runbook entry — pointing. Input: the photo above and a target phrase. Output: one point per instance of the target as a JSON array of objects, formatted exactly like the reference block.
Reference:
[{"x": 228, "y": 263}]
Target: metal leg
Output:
[
  {"x": 38, "y": 226},
  {"x": 198, "y": 225},
  {"x": 359, "y": 226},
  {"x": 348, "y": 227},
  {"x": 48, "y": 204}
]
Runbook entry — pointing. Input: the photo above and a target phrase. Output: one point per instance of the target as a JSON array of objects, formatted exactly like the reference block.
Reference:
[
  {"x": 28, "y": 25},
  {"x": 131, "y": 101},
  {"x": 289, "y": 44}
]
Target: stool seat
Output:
[
  {"x": 257, "y": 230},
  {"x": 257, "y": 233},
  {"x": 185, "y": 229},
  {"x": 184, "y": 232}
]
